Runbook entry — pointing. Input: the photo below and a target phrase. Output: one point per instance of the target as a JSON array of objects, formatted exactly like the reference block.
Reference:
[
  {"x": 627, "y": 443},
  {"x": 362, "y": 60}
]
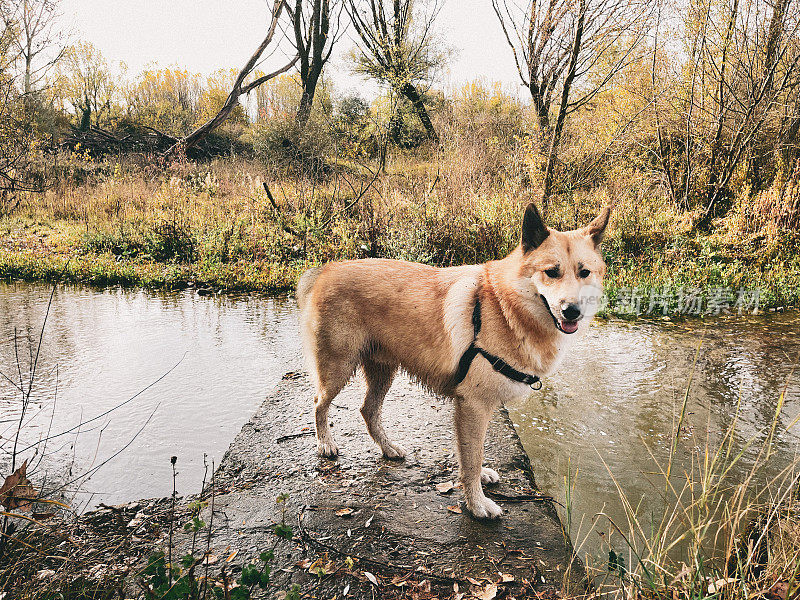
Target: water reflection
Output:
[
  {"x": 101, "y": 347},
  {"x": 618, "y": 399}
]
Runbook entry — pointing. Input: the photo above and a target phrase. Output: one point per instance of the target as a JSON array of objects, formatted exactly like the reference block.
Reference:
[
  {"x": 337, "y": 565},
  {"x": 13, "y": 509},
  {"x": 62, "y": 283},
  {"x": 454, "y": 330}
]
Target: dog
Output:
[{"x": 480, "y": 334}]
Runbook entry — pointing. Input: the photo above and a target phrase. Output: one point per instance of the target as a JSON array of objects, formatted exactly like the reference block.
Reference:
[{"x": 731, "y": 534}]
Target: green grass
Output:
[{"x": 213, "y": 224}]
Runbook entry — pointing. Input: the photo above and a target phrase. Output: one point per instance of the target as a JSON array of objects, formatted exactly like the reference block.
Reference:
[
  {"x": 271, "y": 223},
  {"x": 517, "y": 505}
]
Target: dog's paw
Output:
[
  {"x": 328, "y": 449},
  {"x": 484, "y": 508},
  {"x": 393, "y": 451},
  {"x": 489, "y": 476}
]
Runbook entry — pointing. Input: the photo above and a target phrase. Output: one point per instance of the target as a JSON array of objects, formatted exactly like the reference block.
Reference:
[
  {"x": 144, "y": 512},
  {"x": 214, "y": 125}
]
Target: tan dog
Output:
[{"x": 444, "y": 326}]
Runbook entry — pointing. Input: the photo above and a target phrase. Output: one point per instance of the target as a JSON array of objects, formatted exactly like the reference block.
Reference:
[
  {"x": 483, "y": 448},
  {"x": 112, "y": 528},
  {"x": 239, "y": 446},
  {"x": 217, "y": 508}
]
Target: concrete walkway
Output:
[{"x": 404, "y": 530}]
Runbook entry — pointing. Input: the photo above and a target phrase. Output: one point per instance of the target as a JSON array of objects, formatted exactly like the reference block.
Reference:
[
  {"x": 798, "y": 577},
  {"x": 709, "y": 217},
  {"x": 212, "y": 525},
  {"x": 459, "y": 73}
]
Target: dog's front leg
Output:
[{"x": 472, "y": 418}]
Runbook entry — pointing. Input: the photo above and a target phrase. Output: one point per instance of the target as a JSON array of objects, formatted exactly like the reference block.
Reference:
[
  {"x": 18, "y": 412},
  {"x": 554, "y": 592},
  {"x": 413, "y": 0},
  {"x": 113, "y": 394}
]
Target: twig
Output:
[
  {"x": 210, "y": 529},
  {"x": 284, "y": 226},
  {"x": 519, "y": 498},
  {"x": 172, "y": 461},
  {"x": 292, "y": 436}
]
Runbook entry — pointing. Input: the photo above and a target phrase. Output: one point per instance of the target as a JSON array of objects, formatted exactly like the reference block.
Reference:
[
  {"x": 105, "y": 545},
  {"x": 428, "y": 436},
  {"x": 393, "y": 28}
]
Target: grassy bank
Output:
[{"x": 213, "y": 224}]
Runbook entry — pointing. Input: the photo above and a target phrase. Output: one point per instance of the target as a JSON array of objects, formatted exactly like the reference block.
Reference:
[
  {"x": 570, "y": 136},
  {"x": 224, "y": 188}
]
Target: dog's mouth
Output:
[
  {"x": 563, "y": 325},
  {"x": 567, "y": 326}
]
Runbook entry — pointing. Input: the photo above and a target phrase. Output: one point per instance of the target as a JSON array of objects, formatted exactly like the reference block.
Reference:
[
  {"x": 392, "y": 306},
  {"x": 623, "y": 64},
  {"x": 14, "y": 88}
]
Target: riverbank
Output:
[
  {"x": 216, "y": 225},
  {"x": 650, "y": 281}
]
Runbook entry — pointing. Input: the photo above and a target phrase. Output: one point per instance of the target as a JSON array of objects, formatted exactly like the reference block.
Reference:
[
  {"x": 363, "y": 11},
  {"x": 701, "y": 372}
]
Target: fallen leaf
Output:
[
  {"x": 346, "y": 590},
  {"x": 454, "y": 509},
  {"x": 506, "y": 577},
  {"x": 304, "y": 564},
  {"x": 486, "y": 593},
  {"x": 473, "y": 581},
  {"x": 445, "y": 488},
  {"x": 232, "y": 556},
  {"x": 369, "y": 521},
  {"x": 399, "y": 581},
  {"x": 716, "y": 586},
  {"x": 322, "y": 566},
  {"x": 779, "y": 591},
  {"x": 17, "y": 493},
  {"x": 344, "y": 512},
  {"x": 371, "y": 577}
]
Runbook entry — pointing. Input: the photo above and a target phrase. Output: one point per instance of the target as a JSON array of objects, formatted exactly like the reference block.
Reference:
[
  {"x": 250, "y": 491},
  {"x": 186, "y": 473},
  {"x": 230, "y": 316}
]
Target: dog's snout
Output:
[{"x": 571, "y": 312}]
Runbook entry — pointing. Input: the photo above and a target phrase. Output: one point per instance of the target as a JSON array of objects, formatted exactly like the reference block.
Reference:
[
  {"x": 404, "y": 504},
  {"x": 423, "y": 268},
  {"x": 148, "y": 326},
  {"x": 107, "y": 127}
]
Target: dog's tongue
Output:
[{"x": 569, "y": 326}]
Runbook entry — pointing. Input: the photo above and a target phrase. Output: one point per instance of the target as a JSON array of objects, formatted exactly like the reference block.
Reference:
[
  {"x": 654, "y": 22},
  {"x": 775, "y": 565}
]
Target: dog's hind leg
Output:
[
  {"x": 331, "y": 378},
  {"x": 379, "y": 378}
]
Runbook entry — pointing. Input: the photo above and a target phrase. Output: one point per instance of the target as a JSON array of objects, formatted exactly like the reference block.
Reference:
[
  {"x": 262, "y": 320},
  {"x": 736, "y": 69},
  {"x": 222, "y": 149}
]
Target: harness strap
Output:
[{"x": 498, "y": 364}]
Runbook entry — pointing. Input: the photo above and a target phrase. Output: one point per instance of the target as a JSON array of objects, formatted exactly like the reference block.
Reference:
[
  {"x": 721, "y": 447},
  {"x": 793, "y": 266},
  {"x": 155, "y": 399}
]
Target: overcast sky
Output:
[{"x": 205, "y": 35}]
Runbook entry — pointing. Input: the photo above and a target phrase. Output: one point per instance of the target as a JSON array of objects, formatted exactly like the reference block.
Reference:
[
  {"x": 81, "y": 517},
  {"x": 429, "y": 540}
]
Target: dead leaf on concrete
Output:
[
  {"x": 445, "y": 488},
  {"x": 322, "y": 566}
]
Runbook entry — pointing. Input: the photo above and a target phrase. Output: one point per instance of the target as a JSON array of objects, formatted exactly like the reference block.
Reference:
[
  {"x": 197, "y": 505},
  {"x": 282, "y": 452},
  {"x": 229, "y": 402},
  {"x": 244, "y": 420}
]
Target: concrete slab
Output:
[{"x": 388, "y": 517}]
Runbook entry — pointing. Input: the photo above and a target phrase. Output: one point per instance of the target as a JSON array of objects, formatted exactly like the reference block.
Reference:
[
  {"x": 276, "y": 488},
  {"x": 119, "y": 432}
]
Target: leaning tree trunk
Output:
[
  {"x": 239, "y": 86},
  {"x": 413, "y": 96}
]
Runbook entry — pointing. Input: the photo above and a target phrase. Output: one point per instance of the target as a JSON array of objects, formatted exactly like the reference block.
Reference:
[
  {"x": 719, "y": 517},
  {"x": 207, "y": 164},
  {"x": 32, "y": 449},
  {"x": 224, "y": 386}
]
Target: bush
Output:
[{"x": 283, "y": 143}]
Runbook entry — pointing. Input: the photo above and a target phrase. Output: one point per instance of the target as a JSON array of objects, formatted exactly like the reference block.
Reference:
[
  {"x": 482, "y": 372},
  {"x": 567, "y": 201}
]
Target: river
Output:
[{"x": 189, "y": 371}]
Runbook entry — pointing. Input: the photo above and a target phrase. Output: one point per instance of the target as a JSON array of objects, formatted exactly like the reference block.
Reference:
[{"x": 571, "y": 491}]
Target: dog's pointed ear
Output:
[
  {"x": 534, "y": 231},
  {"x": 597, "y": 228}
]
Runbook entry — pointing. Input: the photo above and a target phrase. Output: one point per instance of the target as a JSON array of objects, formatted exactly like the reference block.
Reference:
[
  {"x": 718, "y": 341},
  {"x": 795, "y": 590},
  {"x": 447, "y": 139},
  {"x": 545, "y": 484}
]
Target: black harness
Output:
[{"x": 498, "y": 364}]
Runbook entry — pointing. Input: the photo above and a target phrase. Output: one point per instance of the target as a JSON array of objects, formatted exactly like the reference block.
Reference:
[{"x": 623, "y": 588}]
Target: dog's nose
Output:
[{"x": 571, "y": 312}]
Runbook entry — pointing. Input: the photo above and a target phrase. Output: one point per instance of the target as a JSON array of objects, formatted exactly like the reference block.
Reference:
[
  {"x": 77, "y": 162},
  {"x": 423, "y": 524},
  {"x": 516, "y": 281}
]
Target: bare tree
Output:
[
  {"x": 397, "y": 48},
  {"x": 40, "y": 43},
  {"x": 316, "y": 30},
  {"x": 741, "y": 75},
  {"x": 542, "y": 36},
  {"x": 241, "y": 85},
  {"x": 17, "y": 139},
  {"x": 756, "y": 74},
  {"x": 563, "y": 46}
]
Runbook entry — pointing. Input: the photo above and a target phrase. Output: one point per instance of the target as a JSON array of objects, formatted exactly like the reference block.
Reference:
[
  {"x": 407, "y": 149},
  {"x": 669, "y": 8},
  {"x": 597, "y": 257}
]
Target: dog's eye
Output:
[
  {"x": 552, "y": 272},
  {"x": 584, "y": 273}
]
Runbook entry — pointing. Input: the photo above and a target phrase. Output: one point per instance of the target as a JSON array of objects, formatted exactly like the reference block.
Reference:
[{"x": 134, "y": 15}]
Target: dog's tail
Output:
[{"x": 305, "y": 285}]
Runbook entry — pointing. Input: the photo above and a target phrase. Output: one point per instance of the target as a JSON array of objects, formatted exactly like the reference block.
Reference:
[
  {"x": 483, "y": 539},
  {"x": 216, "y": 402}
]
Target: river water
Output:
[{"x": 193, "y": 370}]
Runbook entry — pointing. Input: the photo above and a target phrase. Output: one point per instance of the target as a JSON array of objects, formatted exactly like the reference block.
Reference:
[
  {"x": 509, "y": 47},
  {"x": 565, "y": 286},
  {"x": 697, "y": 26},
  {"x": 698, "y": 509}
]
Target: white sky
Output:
[{"x": 205, "y": 35}]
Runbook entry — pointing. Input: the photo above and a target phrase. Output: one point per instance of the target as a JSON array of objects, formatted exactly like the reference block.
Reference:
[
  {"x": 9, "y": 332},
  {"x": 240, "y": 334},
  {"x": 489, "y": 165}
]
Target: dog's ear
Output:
[
  {"x": 534, "y": 231},
  {"x": 597, "y": 228}
]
